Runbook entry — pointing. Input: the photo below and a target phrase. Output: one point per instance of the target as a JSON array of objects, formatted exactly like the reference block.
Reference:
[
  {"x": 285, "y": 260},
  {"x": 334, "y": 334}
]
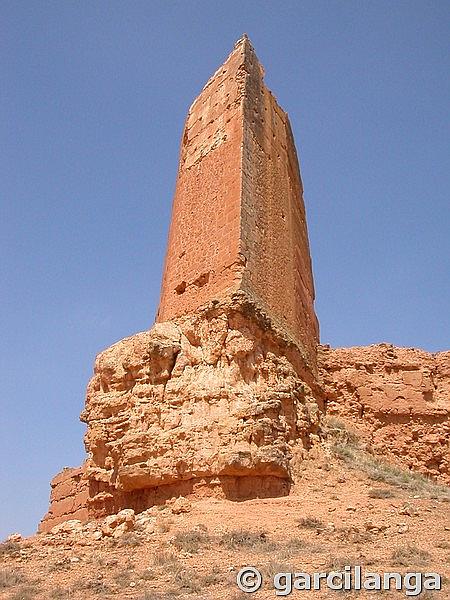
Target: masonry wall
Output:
[
  {"x": 274, "y": 236},
  {"x": 238, "y": 219},
  {"x": 202, "y": 260}
]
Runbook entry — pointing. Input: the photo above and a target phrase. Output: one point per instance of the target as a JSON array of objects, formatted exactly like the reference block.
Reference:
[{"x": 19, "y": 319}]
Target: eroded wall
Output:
[
  {"x": 202, "y": 260},
  {"x": 238, "y": 219},
  {"x": 274, "y": 238},
  {"x": 398, "y": 398}
]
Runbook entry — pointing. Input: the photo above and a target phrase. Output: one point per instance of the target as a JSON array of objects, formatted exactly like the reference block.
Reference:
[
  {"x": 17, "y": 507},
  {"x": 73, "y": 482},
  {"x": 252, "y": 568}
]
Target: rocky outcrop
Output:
[
  {"x": 68, "y": 498},
  {"x": 211, "y": 403},
  {"x": 398, "y": 398}
]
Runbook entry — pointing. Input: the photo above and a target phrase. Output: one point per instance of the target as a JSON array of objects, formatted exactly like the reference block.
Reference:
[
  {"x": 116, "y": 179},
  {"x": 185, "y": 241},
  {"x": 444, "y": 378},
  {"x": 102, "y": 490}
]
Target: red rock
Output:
[
  {"x": 399, "y": 398},
  {"x": 227, "y": 390}
]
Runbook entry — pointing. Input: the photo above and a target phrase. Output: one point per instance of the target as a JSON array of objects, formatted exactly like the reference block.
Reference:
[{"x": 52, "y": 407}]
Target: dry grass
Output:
[
  {"x": 380, "y": 493},
  {"x": 346, "y": 446},
  {"x": 243, "y": 539},
  {"x": 273, "y": 567},
  {"x": 10, "y": 578},
  {"x": 148, "y": 574},
  {"x": 8, "y": 547},
  {"x": 190, "y": 541},
  {"x": 311, "y": 523},
  {"x": 337, "y": 563},
  {"x": 296, "y": 544},
  {"x": 155, "y": 596},
  {"x": 162, "y": 558},
  {"x": 215, "y": 577},
  {"x": 409, "y": 556},
  {"x": 96, "y": 586},
  {"x": 185, "y": 580},
  {"x": 163, "y": 524},
  {"x": 122, "y": 578},
  {"x": 24, "y": 593},
  {"x": 130, "y": 539}
]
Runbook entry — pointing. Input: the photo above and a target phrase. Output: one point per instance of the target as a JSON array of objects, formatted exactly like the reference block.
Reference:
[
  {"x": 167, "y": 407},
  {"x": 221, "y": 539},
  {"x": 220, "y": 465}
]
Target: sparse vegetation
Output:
[
  {"x": 311, "y": 523},
  {"x": 10, "y": 578},
  {"x": 130, "y": 539},
  {"x": 59, "y": 565},
  {"x": 59, "y": 593},
  {"x": 186, "y": 580},
  {"x": 238, "y": 539},
  {"x": 162, "y": 558},
  {"x": 337, "y": 563},
  {"x": 296, "y": 544},
  {"x": 122, "y": 577},
  {"x": 24, "y": 593},
  {"x": 215, "y": 577},
  {"x": 346, "y": 446},
  {"x": 156, "y": 596},
  {"x": 409, "y": 556},
  {"x": 163, "y": 524},
  {"x": 97, "y": 586},
  {"x": 273, "y": 567},
  {"x": 190, "y": 541},
  {"x": 380, "y": 493},
  {"x": 148, "y": 574},
  {"x": 9, "y": 547}
]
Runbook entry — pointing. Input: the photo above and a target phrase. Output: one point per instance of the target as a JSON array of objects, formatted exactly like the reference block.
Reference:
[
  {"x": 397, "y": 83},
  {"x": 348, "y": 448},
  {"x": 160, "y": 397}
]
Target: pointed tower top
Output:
[{"x": 244, "y": 39}]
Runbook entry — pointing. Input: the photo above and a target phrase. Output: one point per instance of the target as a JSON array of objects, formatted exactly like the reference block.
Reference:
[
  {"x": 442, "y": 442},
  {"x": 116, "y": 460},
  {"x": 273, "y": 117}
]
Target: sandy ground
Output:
[{"x": 329, "y": 521}]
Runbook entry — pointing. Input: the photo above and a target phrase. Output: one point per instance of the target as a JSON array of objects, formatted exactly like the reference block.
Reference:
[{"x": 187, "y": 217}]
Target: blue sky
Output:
[{"x": 92, "y": 112}]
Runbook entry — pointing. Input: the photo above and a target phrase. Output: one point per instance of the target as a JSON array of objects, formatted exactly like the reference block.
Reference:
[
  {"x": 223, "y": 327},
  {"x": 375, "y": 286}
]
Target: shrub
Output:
[
  {"x": 246, "y": 539},
  {"x": 190, "y": 541},
  {"x": 409, "y": 556},
  {"x": 311, "y": 523},
  {"x": 381, "y": 493},
  {"x": 10, "y": 578}
]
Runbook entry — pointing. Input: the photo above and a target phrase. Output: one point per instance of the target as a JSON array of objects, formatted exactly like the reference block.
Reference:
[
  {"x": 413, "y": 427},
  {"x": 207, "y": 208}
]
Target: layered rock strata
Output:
[
  {"x": 399, "y": 400},
  {"x": 216, "y": 402}
]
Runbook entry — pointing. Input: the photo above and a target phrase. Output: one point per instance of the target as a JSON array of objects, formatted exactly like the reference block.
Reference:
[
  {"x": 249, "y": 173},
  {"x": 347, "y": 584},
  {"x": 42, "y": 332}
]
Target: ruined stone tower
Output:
[
  {"x": 225, "y": 392},
  {"x": 238, "y": 220},
  {"x": 222, "y": 392}
]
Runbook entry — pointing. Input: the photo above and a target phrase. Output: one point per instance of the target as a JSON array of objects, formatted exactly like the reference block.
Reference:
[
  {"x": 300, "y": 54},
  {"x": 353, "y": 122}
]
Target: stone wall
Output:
[
  {"x": 278, "y": 272},
  {"x": 68, "y": 498},
  {"x": 202, "y": 260},
  {"x": 238, "y": 219}
]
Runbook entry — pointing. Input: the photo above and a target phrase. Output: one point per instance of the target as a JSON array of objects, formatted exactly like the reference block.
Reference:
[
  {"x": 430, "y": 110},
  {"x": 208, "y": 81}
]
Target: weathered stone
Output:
[
  {"x": 238, "y": 220},
  {"x": 399, "y": 399},
  {"x": 226, "y": 392}
]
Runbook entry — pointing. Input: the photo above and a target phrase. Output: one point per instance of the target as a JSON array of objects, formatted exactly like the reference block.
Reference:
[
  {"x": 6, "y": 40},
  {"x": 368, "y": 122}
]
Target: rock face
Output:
[
  {"x": 212, "y": 402},
  {"x": 399, "y": 398},
  {"x": 68, "y": 498}
]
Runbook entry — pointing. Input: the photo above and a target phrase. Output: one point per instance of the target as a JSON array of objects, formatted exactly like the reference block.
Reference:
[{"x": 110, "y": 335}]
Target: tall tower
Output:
[
  {"x": 238, "y": 218},
  {"x": 224, "y": 394}
]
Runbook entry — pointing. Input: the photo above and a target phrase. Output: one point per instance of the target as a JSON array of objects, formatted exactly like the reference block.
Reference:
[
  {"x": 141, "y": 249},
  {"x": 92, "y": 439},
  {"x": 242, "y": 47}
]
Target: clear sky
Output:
[{"x": 93, "y": 101}]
